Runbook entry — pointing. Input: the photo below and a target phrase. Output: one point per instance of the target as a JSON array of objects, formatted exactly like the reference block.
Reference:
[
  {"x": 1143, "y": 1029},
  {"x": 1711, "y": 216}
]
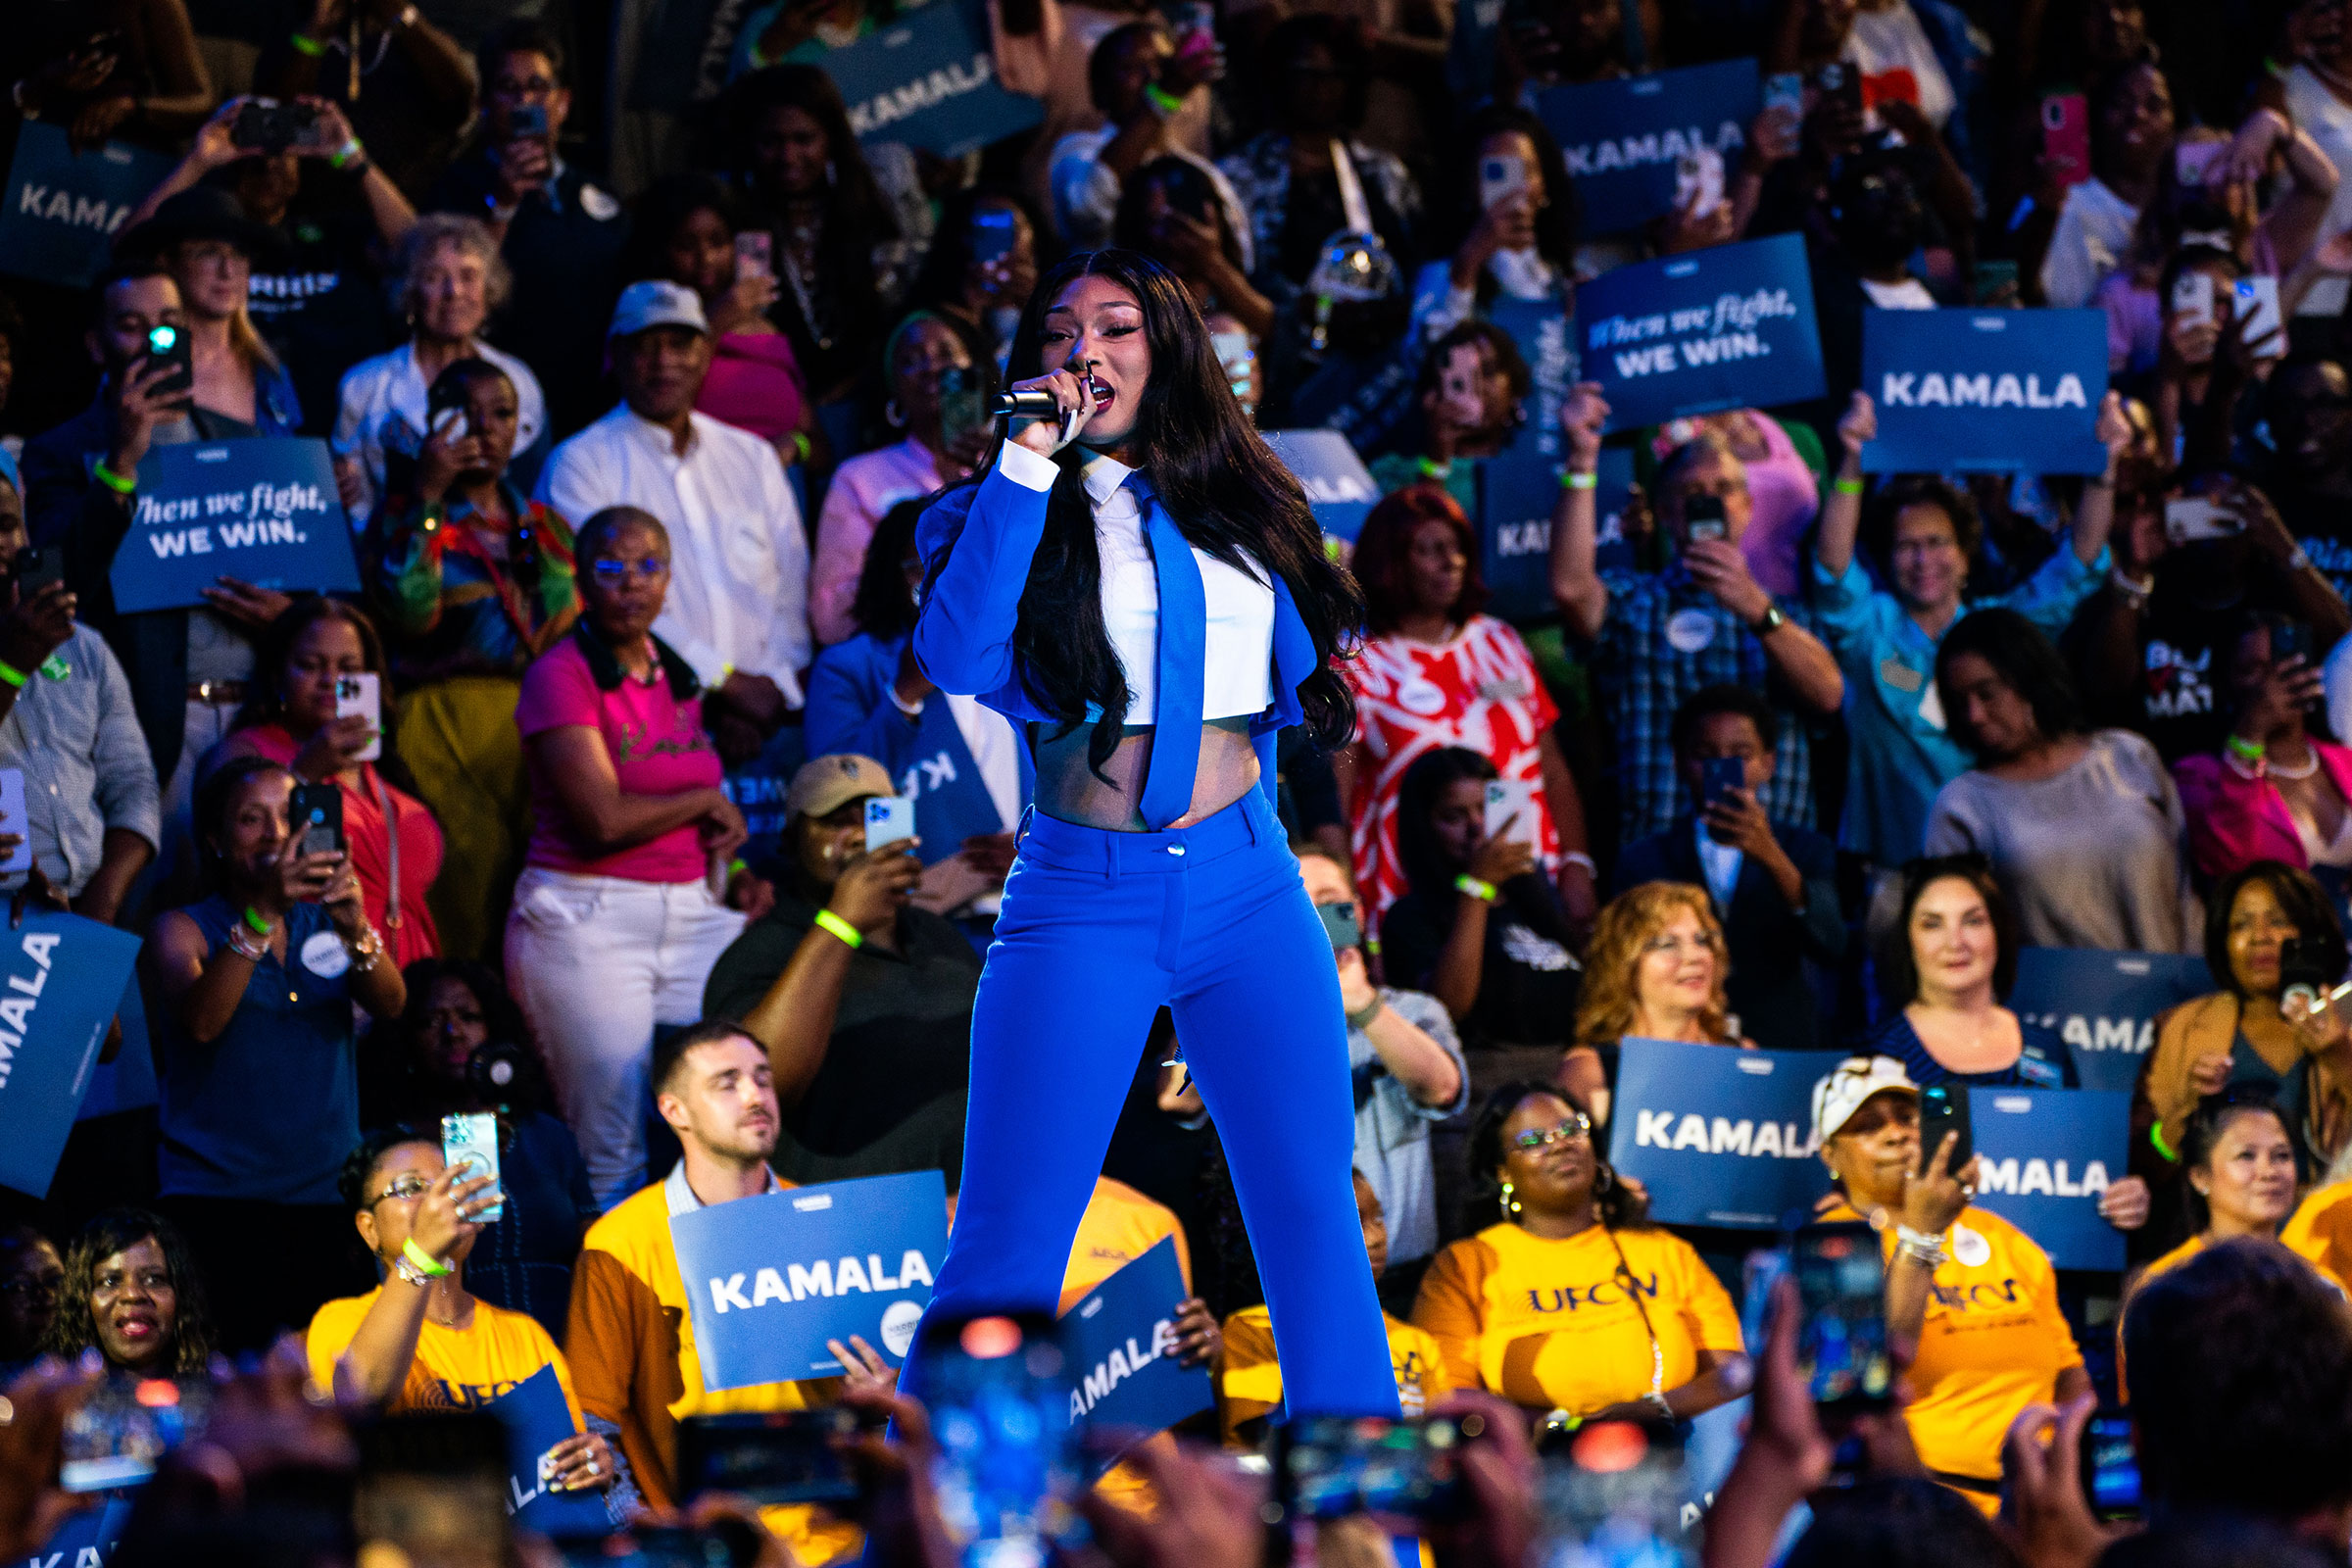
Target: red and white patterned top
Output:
[{"x": 1480, "y": 691}]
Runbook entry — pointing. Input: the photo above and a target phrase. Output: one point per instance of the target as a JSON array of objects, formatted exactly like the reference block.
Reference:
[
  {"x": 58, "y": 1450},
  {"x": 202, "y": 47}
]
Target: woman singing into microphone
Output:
[{"x": 1139, "y": 584}]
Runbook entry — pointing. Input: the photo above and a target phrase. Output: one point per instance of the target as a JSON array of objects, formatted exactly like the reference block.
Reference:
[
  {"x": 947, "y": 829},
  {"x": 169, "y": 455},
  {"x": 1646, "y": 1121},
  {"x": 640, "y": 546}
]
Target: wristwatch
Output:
[{"x": 1770, "y": 621}]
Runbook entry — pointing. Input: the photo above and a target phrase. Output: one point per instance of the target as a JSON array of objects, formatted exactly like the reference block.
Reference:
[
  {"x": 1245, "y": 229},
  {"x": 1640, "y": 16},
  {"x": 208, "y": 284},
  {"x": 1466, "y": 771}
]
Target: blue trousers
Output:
[{"x": 1097, "y": 931}]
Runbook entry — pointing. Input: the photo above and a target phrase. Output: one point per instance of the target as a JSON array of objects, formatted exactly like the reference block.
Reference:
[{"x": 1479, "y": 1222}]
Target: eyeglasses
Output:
[
  {"x": 404, "y": 1187},
  {"x": 1577, "y": 1126},
  {"x": 611, "y": 572}
]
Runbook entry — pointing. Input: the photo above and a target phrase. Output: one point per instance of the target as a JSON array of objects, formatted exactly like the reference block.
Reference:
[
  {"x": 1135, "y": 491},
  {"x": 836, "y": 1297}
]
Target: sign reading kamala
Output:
[
  {"x": 537, "y": 1418},
  {"x": 1985, "y": 391},
  {"x": 1338, "y": 487},
  {"x": 928, "y": 79},
  {"x": 2043, "y": 1161},
  {"x": 61, "y": 208},
  {"x": 1121, "y": 1342},
  {"x": 1723, "y": 329},
  {"x": 2104, "y": 1005},
  {"x": 770, "y": 1279},
  {"x": 1720, "y": 1136},
  {"x": 59, "y": 977},
  {"x": 1622, "y": 138},
  {"x": 265, "y": 510}
]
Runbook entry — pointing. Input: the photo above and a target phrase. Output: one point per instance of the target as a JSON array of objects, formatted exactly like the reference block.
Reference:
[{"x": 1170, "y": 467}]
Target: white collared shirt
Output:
[
  {"x": 738, "y": 559},
  {"x": 383, "y": 409},
  {"x": 679, "y": 1196},
  {"x": 1239, "y": 677}
]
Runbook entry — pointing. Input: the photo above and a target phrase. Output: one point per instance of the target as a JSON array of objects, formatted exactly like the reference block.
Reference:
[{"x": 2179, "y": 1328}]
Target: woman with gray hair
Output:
[{"x": 451, "y": 278}]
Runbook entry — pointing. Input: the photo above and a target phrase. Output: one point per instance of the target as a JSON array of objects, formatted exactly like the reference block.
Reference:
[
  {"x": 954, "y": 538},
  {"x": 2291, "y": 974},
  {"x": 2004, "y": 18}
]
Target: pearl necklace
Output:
[{"x": 2266, "y": 769}]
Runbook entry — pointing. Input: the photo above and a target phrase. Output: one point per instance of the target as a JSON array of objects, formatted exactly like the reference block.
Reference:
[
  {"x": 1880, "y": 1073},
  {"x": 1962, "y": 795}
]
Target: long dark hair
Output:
[
  {"x": 118, "y": 1230},
  {"x": 1226, "y": 490},
  {"x": 884, "y": 605},
  {"x": 1900, "y": 970},
  {"x": 662, "y": 210},
  {"x": 1555, "y": 219},
  {"x": 1384, "y": 556},
  {"x": 2204, "y": 1129},
  {"x": 2026, "y": 660},
  {"x": 2301, "y": 898},
  {"x": 1612, "y": 1202}
]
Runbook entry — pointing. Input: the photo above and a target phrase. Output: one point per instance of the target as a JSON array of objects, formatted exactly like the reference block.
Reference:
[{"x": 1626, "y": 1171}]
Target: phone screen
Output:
[
  {"x": 1006, "y": 1467},
  {"x": 756, "y": 253},
  {"x": 361, "y": 696},
  {"x": 775, "y": 1458},
  {"x": 1330, "y": 1467},
  {"x": 1702, "y": 519},
  {"x": 993, "y": 233},
  {"x": 1842, "y": 1342},
  {"x": 1720, "y": 776},
  {"x": 2110, "y": 1466},
  {"x": 1340, "y": 924},
  {"x": 1942, "y": 1110},
  {"x": 889, "y": 819},
  {"x": 2191, "y": 518},
  {"x": 470, "y": 1141}
]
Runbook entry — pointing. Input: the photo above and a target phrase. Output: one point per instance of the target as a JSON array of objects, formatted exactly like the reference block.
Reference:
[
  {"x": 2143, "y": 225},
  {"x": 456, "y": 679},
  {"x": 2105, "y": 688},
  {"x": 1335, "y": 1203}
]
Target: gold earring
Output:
[{"x": 1511, "y": 1203}]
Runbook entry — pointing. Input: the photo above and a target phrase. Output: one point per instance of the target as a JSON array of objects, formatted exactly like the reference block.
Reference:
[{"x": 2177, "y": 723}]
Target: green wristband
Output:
[
  {"x": 2156, "y": 1137},
  {"x": 111, "y": 480},
  {"x": 1166, "y": 101},
  {"x": 2251, "y": 750},
  {"x": 1579, "y": 480},
  {"x": 253, "y": 919},
  {"x": 13, "y": 675},
  {"x": 827, "y": 920},
  {"x": 426, "y": 1263},
  {"x": 1482, "y": 891},
  {"x": 305, "y": 45},
  {"x": 1847, "y": 487}
]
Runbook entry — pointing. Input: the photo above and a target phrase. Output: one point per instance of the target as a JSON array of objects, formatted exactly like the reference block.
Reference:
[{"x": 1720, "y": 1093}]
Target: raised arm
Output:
[
  {"x": 1841, "y": 510},
  {"x": 2094, "y": 518},
  {"x": 1576, "y": 585}
]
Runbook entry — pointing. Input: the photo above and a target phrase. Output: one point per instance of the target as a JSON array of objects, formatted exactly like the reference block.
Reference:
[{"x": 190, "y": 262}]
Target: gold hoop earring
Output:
[
  {"x": 1509, "y": 1202},
  {"x": 1604, "y": 1181}
]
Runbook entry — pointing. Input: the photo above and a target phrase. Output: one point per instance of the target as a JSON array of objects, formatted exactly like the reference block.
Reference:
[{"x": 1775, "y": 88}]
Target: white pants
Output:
[{"x": 596, "y": 962}]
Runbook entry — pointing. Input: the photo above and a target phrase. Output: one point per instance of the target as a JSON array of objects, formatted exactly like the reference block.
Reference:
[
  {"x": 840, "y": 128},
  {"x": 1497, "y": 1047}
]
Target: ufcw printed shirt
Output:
[{"x": 1552, "y": 1324}]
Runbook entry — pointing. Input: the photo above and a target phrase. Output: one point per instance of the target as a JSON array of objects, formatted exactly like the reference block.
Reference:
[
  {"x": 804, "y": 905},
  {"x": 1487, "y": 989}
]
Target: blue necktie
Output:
[{"x": 1183, "y": 669}]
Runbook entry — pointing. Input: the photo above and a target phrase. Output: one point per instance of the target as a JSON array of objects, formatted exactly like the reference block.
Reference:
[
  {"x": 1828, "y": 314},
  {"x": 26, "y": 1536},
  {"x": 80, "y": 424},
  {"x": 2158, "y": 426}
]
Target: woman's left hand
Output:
[
  {"x": 751, "y": 893},
  {"x": 1355, "y": 986},
  {"x": 341, "y": 897},
  {"x": 2125, "y": 1204},
  {"x": 723, "y": 831},
  {"x": 583, "y": 1463},
  {"x": 2320, "y": 1026},
  {"x": 1199, "y": 1340},
  {"x": 862, "y": 1369}
]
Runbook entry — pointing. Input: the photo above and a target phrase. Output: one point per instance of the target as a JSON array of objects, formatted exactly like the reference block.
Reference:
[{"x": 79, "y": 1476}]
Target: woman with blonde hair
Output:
[
  {"x": 203, "y": 238},
  {"x": 1655, "y": 971},
  {"x": 452, "y": 277}
]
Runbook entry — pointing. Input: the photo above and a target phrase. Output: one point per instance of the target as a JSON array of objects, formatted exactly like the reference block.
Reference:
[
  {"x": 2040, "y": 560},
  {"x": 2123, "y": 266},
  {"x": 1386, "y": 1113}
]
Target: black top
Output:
[
  {"x": 889, "y": 1096},
  {"x": 1527, "y": 989}
]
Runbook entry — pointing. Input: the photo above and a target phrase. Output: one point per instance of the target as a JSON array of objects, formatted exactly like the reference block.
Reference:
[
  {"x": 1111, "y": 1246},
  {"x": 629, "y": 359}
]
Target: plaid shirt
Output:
[{"x": 1644, "y": 677}]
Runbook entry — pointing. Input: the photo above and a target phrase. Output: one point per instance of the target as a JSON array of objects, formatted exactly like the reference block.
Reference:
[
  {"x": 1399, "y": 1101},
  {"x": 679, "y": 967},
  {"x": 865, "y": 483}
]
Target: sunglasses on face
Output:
[
  {"x": 613, "y": 573},
  {"x": 409, "y": 1186},
  {"x": 1577, "y": 1126}
]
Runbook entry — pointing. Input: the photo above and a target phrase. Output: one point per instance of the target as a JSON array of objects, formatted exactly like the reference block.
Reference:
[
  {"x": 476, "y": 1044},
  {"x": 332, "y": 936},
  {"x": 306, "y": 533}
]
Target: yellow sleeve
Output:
[
  {"x": 1423, "y": 1348},
  {"x": 1252, "y": 1371},
  {"x": 1184, "y": 1251},
  {"x": 1451, "y": 1309},
  {"x": 330, "y": 1334},
  {"x": 2036, "y": 1264},
  {"x": 1708, "y": 1308}
]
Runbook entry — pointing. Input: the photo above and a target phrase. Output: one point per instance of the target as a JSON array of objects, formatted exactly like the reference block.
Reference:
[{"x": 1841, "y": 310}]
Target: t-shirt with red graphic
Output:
[
  {"x": 1479, "y": 691},
  {"x": 657, "y": 747}
]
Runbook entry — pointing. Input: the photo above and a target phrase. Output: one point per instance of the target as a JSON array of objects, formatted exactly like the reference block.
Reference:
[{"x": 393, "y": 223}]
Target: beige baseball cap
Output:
[
  {"x": 1852, "y": 1081},
  {"x": 826, "y": 784}
]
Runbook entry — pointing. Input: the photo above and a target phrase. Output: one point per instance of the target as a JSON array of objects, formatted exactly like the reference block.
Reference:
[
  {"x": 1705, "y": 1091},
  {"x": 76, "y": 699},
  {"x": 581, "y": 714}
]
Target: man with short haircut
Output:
[
  {"x": 630, "y": 1336},
  {"x": 737, "y": 608}
]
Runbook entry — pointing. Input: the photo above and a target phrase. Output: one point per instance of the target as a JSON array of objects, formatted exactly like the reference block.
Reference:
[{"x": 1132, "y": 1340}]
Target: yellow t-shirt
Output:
[
  {"x": 454, "y": 1369},
  {"x": 2320, "y": 1231},
  {"x": 1549, "y": 1324},
  {"x": 1251, "y": 1379},
  {"x": 1119, "y": 1226},
  {"x": 1994, "y": 1343}
]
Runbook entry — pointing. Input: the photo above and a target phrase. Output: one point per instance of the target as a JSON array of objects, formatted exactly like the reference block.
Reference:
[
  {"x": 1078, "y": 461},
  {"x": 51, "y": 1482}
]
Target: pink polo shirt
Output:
[{"x": 657, "y": 747}]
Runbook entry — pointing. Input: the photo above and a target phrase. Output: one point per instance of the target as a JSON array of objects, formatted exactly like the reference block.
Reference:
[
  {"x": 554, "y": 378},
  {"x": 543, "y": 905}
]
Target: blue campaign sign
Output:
[
  {"x": 1623, "y": 138},
  {"x": 1613, "y": 487},
  {"x": 1121, "y": 1342},
  {"x": 57, "y": 221},
  {"x": 1517, "y": 489},
  {"x": 265, "y": 510},
  {"x": 1719, "y": 1136},
  {"x": 1724, "y": 328},
  {"x": 770, "y": 1279},
  {"x": 1985, "y": 391},
  {"x": 929, "y": 79},
  {"x": 537, "y": 1418},
  {"x": 59, "y": 977},
  {"x": 1338, "y": 487},
  {"x": 86, "y": 1540},
  {"x": 2043, "y": 1161},
  {"x": 2104, "y": 1005}
]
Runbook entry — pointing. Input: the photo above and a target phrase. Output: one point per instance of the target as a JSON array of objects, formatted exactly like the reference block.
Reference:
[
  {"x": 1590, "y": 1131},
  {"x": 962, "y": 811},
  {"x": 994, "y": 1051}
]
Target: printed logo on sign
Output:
[
  {"x": 943, "y": 85},
  {"x": 2049, "y": 1178},
  {"x": 21, "y": 997},
  {"x": 1611, "y": 154},
  {"x": 1721, "y": 1135}
]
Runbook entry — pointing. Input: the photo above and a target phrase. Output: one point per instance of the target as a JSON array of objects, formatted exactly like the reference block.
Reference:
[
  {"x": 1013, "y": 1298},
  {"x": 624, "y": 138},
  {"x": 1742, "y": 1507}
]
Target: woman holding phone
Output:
[
  {"x": 250, "y": 994},
  {"x": 1138, "y": 582},
  {"x": 2275, "y": 791},
  {"x": 322, "y": 669},
  {"x": 630, "y": 891}
]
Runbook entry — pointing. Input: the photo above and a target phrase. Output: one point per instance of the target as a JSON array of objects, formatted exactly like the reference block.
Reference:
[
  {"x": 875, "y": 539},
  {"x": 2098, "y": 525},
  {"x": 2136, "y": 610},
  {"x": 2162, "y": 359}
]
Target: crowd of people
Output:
[{"x": 635, "y": 397}]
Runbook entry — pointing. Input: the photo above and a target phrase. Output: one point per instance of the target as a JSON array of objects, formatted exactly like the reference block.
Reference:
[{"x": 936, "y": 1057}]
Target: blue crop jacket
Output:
[{"x": 963, "y": 636}]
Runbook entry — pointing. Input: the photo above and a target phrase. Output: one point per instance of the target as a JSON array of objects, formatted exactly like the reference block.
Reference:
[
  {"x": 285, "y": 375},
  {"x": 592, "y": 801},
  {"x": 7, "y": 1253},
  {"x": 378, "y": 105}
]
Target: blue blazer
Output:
[
  {"x": 964, "y": 637},
  {"x": 850, "y": 711}
]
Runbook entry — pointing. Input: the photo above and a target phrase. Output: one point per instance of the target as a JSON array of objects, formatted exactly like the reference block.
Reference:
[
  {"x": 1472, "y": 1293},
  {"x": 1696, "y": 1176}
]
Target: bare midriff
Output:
[{"x": 1069, "y": 789}]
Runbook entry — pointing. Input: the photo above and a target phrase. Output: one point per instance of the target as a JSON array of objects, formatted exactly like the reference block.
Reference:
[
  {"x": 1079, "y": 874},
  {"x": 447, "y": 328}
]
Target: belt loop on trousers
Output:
[{"x": 1110, "y": 856}]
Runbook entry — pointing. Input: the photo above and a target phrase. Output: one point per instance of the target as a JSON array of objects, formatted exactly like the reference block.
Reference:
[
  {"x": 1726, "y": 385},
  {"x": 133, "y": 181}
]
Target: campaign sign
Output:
[
  {"x": 1719, "y": 1136},
  {"x": 770, "y": 1279},
  {"x": 57, "y": 221},
  {"x": 265, "y": 510},
  {"x": 2104, "y": 1005},
  {"x": 1730, "y": 328},
  {"x": 88, "y": 1538},
  {"x": 1985, "y": 391},
  {"x": 1613, "y": 487},
  {"x": 60, "y": 976},
  {"x": 929, "y": 79},
  {"x": 1517, "y": 489},
  {"x": 2044, "y": 1158},
  {"x": 1338, "y": 487},
  {"x": 537, "y": 1418},
  {"x": 1623, "y": 138},
  {"x": 1121, "y": 1343}
]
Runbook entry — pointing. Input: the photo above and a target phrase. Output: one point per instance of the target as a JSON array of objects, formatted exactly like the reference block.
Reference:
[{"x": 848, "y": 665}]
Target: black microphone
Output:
[{"x": 1028, "y": 405}]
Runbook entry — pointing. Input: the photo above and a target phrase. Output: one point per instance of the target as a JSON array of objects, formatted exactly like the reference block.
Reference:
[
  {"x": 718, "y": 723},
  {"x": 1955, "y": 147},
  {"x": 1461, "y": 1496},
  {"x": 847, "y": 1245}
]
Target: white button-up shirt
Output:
[
  {"x": 384, "y": 410},
  {"x": 738, "y": 558}
]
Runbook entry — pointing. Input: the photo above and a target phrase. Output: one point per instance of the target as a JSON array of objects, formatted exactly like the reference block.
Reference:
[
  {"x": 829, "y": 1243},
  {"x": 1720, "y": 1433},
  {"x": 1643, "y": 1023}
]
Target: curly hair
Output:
[
  {"x": 434, "y": 233},
  {"x": 1614, "y": 1203},
  {"x": 73, "y": 1330},
  {"x": 1605, "y": 1010}
]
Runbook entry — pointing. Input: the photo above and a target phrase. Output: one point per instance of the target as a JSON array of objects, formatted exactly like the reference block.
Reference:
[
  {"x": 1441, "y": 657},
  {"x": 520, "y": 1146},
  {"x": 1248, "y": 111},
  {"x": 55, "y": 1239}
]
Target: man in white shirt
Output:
[{"x": 738, "y": 603}]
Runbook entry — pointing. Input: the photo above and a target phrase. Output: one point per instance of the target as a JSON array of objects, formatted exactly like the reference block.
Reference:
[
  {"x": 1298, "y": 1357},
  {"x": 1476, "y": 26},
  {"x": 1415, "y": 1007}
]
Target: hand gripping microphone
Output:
[{"x": 1027, "y": 405}]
